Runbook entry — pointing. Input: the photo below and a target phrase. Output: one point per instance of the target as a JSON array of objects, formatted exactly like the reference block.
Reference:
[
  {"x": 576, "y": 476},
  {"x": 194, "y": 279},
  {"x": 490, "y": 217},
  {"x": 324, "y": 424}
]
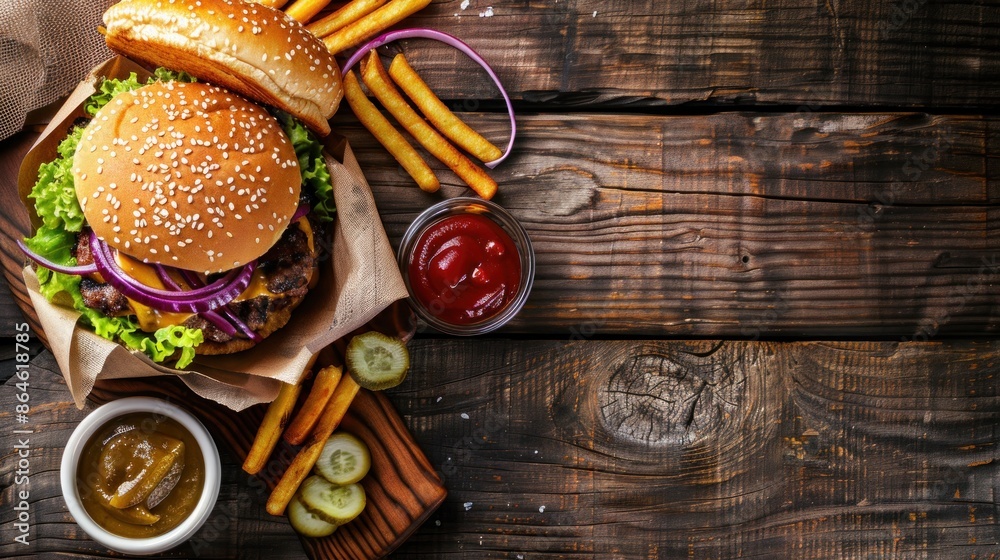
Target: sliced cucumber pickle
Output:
[
  {"x": 332, "y": 503},
  {"x": 344, "y": 459},
  {"x": 305, "y": 522},
  {"x": 377, "y": 361}
]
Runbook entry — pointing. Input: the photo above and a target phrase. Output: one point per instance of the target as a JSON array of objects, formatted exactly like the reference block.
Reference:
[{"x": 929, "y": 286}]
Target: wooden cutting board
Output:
[{"x": 402, "y": 488}]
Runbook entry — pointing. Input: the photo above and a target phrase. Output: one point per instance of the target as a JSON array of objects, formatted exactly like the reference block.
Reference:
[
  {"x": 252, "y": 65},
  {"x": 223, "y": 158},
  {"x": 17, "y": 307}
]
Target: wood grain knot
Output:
[{"x": 670, "y": 396}]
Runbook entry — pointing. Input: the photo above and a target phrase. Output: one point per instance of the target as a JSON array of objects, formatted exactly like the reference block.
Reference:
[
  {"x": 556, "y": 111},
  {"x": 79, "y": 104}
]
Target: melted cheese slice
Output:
[{"x": 151, "y": 319}]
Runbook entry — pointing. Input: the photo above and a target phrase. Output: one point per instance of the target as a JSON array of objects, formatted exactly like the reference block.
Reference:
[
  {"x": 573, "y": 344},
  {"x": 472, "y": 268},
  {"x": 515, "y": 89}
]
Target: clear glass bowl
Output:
[{"x": 500, "y": 216}]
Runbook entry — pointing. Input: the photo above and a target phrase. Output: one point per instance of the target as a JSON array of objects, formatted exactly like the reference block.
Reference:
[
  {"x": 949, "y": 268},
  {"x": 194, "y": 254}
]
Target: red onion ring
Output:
[
  {"x": 233, "y": 318},
  {"x": 425, "y": 33},
  {"x": 198, "y": 300},
  {"x": 232, "y": 321},
  {"x": 78, "y": 270},
  {"x": 210, "y": 316},
  {"x": 99, "y": 248}
]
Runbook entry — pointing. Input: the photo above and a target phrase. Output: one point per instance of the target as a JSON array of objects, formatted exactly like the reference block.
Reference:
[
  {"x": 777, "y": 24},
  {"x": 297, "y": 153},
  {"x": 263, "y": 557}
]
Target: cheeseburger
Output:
[{"x": 182, "y": 217}]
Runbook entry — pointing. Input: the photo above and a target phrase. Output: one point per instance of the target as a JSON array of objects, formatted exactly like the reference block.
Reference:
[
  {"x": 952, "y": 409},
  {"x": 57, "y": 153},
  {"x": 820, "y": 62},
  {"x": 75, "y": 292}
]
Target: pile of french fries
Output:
[
  {"x": 324, "y": 407},
  {"x": 443, "y": 123},
  {"x": 443, "y": 136},
  {"x": 351, "y": 23}
]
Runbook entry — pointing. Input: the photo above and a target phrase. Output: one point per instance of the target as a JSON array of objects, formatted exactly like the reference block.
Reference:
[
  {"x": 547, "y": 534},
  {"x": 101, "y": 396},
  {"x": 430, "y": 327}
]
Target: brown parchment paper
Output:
[{"x": 358, "y": 281}]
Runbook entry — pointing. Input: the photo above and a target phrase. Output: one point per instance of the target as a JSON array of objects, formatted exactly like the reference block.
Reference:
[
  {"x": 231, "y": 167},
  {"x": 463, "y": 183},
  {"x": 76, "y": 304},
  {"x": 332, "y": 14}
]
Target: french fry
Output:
[
  {"x": 438, "y": 113},
  {"x": 279, "y": 412},
  {"x": 305, "y": 10},
  {"x": 380, "y": 84},
  {"x": 387, "y": 135},
  {"x": 323, "y": 386},
  {"x": 352, "y": 34},
  {"x": 306, "y": 458},
  {"x": 275, "y": 419},
  {"x": 349, "y": 13}
]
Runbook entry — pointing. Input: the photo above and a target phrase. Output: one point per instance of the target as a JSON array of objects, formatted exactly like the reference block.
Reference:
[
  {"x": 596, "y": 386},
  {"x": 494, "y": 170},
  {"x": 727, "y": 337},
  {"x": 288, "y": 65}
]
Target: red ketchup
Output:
[{"x": 464, "y": 269}]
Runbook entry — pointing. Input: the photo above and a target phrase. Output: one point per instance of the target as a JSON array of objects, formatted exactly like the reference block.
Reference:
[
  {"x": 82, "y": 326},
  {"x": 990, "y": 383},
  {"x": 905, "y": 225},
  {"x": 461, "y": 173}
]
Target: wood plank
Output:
[
  {"x": 707, "y": 449},
  {"x": 8, "y": 309},
  {"x": 12, "y": 150},
  {"x": 13, "y": 221},
  {"x": 599, "y": 448},
  {"x": 745, "y": 225},
  {"x": 586, "y": 53}
]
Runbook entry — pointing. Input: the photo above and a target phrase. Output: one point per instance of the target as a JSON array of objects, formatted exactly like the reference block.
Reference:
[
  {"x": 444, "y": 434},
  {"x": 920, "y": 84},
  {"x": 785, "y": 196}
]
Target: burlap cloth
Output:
[
  {"x": 46, "y": 48},
  {"x": 356, "y": 283}
]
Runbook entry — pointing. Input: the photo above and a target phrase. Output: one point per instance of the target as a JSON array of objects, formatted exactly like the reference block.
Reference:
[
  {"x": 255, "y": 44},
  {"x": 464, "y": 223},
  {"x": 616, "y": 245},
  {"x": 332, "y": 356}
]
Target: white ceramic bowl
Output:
[{"x": 91, "y": 424}]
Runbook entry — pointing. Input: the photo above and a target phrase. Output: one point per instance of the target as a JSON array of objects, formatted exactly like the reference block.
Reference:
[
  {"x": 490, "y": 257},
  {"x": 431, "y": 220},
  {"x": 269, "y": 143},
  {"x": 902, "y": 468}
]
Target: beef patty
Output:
[{"x": 288, "y": 267}]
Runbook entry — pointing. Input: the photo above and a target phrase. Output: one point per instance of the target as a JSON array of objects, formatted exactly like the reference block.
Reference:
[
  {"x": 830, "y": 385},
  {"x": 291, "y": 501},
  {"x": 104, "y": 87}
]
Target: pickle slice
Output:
[
  {"x": 166, "y": 485},
  {"x": 344, "y": 459},
  {"x": 307, "y": 523},
  {"x": 134, "y": 463},
  {"x": 332, "y": 503},
  {"x": 135, "y": 515},
  {"x": 377, "y": 361}
]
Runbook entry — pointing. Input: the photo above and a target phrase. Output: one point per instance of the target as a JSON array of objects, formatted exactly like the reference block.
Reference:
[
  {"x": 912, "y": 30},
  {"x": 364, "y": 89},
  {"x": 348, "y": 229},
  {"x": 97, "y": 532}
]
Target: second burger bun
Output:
[
  {"x": 249, "y": 48},
  {"x": 188, "y": 175}
]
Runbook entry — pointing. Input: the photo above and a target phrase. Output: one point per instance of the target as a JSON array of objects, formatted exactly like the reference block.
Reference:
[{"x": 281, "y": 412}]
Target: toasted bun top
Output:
[
  {"x": 187, "y": 175},
  {"x": 249, "y": 48}
]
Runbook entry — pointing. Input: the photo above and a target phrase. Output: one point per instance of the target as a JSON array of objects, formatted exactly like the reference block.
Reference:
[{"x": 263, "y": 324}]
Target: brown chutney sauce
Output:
[{"x": 140, "y": 475}]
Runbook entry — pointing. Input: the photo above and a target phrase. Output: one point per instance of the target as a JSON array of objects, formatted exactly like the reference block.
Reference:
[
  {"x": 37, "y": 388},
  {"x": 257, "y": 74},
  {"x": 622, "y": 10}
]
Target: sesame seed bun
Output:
[
  {"x": 187, "y": 175},
  {"x": 252, "y": 49}
]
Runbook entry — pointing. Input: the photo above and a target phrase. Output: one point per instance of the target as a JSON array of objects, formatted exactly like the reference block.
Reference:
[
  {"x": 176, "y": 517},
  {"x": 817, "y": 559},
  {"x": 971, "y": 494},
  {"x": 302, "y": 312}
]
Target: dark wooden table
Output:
[{"x": 765, "y": 318}]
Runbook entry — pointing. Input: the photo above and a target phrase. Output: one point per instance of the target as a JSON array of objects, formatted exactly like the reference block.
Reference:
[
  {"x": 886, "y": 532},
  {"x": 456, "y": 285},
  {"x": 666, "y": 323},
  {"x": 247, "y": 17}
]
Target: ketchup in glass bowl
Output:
[{"x": 468, "y": 266}]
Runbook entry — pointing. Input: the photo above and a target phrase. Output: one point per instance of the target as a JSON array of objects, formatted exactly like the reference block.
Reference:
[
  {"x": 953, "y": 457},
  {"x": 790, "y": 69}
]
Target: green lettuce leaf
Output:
[
  {"x": 165, "y": 342},
  {"x": 56, "y": 205},
  {"x": 108, "y": 90},
  {"x": 162, "y": 74},
  {"x": 112, "y": 87},
  {"x": 315, "y": 175}
]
